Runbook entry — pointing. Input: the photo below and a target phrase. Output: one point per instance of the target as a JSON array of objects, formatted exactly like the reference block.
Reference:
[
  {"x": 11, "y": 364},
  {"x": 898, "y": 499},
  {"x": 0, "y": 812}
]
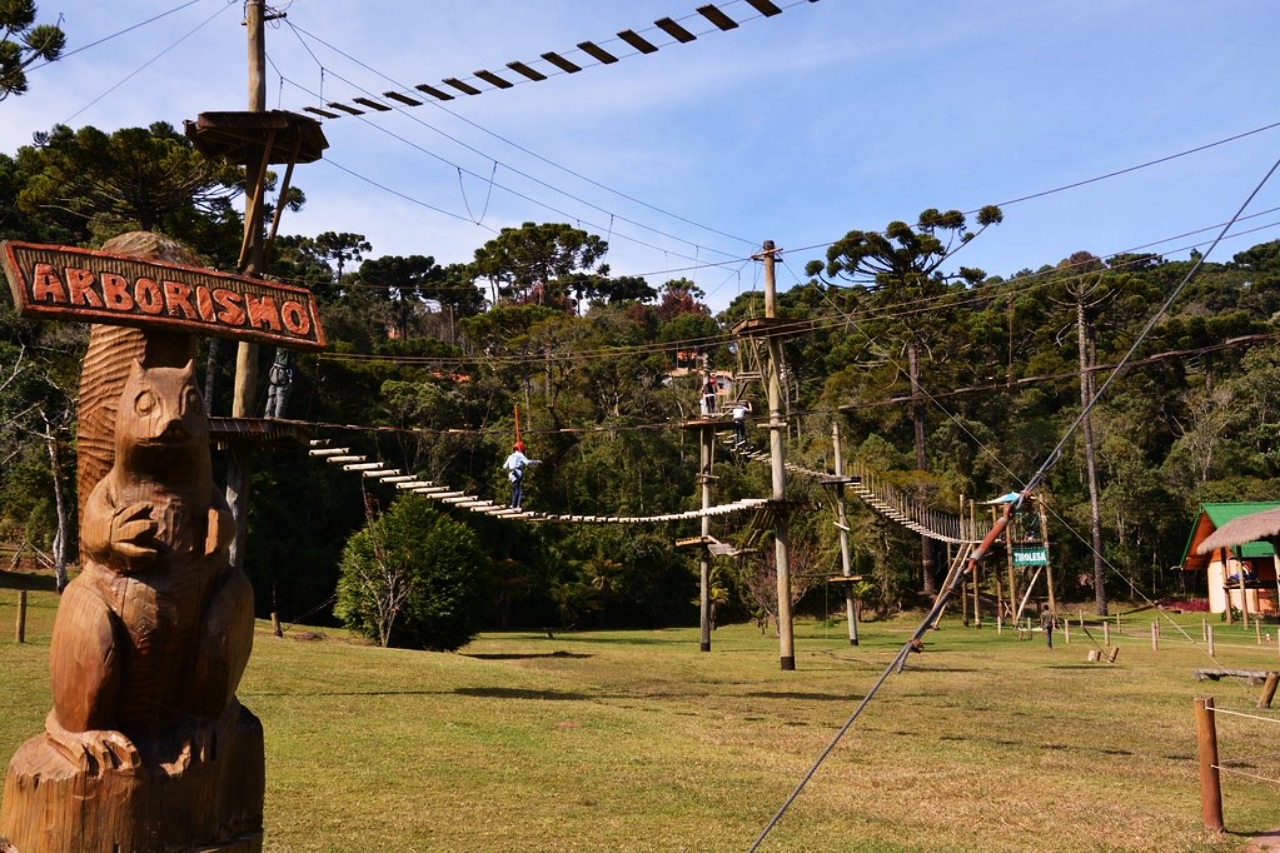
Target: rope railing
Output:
[{"x": 885, "y": 500}]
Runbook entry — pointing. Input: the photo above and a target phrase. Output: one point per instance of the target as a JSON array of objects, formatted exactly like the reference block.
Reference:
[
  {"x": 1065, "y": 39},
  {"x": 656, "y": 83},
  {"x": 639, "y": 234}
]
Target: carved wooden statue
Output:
[{"x": 146, "y": 747}]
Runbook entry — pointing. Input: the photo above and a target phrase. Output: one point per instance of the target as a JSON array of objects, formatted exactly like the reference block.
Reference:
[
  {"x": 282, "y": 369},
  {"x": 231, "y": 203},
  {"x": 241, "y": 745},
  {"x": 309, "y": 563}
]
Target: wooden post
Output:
[
  {"x": 1106, "y": 633},
  {"x": 240, "y": 468},
  {"x": 1207, "y": 750},
  {"x": 1013, "y": 582},
  {"x": 842, "y": 523},
  {"x": 1257, "y": 630},
  {"x": 707, "y": 434},
  {"x": 1066, "y": 631},
  {"x": 275, "y": 625},
  {"x": 1048, "y": 564},
  {"x": 1155, "y": 636},
  {"x": 21, "y": 627},
  {"x": 1269, "y": 689},
  {"x": 977, "y": 568},
  {"x": 1209, "y": 641},
  {"x": 777, "y": 455}
]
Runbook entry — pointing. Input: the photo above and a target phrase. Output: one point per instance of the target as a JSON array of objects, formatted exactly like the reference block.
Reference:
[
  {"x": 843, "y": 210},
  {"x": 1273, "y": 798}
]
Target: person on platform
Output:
[
  {"x": 740, "y": 411},
  {"x": 709, "y": 391},
  {"x": 279, "y": 379}
]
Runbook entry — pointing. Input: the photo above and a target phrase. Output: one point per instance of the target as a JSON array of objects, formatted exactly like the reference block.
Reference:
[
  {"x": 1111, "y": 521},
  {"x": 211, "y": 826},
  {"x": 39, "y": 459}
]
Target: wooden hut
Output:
[{"x": 1235, "y": 545}]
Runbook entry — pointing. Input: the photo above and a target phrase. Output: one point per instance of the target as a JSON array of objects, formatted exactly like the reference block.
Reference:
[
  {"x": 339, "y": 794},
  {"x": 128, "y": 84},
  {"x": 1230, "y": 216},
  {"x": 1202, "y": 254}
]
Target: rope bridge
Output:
[{"x": 355, "y": 463}]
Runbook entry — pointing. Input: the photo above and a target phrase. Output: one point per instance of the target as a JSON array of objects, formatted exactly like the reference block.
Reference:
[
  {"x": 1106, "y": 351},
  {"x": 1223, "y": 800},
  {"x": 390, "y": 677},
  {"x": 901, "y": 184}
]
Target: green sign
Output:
[{"x": 1030, "y": 555}]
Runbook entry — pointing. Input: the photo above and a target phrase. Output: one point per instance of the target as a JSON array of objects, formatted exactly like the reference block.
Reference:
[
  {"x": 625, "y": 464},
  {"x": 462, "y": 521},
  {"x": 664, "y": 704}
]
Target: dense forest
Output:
[{"x": 945, "y": 381}]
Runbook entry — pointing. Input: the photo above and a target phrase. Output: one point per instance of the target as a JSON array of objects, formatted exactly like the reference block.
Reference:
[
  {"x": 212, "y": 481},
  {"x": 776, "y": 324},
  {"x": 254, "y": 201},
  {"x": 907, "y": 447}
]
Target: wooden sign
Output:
[{"x": 94, "y": 287}]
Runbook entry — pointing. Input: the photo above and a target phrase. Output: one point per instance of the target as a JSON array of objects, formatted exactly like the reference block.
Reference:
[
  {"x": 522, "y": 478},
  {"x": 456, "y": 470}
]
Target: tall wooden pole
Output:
[
  {"x": 777, "y": 454},
  {"x": 1207, "y": 751},
  {"x": 1048, "y": 561},
  {"x": 707, "y": 434},
  {"x": 240, "y": 470},
  {"x": 842, "y": 523}
]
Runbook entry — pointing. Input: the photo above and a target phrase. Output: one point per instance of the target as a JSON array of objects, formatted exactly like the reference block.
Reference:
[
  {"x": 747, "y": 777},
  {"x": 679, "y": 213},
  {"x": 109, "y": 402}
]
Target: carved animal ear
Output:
[{"x": 136, "y": 369}]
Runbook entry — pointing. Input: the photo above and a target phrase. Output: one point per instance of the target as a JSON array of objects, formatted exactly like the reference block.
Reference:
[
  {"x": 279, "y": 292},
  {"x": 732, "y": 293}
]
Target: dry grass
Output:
[{"x": 637, "y": 741}]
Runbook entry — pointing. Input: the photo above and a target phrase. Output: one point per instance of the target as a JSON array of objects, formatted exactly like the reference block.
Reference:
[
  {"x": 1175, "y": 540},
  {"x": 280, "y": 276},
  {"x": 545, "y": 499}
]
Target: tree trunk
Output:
[
  {"x": 1087, "y": 357},
  {"x": 62, "y": 538}
]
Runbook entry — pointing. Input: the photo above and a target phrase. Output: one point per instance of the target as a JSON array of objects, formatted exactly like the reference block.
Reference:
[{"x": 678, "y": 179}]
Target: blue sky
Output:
[{"x": 833, "y": 115}]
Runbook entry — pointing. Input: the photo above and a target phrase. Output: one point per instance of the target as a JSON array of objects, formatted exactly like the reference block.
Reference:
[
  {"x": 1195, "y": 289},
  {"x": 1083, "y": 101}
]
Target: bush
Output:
[{"x": 414, "y": 578}]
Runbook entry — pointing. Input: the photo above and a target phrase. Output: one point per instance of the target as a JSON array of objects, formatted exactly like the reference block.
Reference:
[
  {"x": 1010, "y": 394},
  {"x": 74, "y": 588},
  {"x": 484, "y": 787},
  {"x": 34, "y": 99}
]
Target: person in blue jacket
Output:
[{"x": 514, "y": 466}]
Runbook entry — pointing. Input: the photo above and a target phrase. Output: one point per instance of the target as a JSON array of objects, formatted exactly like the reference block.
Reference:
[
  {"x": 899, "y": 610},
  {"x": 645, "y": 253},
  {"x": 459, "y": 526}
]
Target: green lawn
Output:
[{"x": 636, "y": 741}]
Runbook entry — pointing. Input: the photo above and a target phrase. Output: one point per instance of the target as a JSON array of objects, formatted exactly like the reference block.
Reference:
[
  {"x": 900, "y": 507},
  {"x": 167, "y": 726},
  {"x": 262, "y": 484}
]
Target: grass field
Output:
[{"x": 636, "y": 741}]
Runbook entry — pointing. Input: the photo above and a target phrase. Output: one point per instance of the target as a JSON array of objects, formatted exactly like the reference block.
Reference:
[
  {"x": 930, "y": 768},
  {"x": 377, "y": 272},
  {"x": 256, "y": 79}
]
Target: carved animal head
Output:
[{"x": 161, "y": 411}]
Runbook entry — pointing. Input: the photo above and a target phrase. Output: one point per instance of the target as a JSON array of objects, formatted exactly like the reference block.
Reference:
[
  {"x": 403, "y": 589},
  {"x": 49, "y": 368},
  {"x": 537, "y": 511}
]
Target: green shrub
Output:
[{"x": 414, "y": 578}]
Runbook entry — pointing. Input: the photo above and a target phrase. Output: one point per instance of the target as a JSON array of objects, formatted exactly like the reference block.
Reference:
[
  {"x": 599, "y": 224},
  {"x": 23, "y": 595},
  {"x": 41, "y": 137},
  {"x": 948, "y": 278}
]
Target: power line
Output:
[
  {"x": 144, "y": 65},
  {"x": 1075, "y": 184},
  {"x": 299, "y": 31},
  {"x": 114, "y": 35},
  {"x": 508, "y": 166}
]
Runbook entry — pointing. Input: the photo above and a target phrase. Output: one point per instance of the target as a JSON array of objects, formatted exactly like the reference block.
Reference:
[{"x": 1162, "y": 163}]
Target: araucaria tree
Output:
[
  {"x": 22, "y": 42},
  {"x": 414, "y": 578},
  {"x": 902, "y": 268}
]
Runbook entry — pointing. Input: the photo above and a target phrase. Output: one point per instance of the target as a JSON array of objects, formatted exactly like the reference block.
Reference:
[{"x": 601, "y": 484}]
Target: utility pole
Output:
[
  {"x": 777, "y": 455},
  {"x": 240, "y": 470},
  {"x": 707, "y": 436}
]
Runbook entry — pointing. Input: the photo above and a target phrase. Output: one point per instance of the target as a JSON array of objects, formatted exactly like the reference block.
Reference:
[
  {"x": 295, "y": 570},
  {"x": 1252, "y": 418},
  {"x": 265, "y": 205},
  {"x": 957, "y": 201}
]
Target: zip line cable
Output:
[
  {"x": 146, "y": 64},
  {"x": 114, "y": 35},
  {"x": 1116, "y": 173},
  {"x": 945, "y": 595},
  {"x": 595, "y": 226}
]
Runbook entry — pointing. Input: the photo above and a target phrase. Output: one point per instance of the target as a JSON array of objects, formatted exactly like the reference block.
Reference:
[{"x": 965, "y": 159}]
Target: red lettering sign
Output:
[{"x": 93, "y": 287}]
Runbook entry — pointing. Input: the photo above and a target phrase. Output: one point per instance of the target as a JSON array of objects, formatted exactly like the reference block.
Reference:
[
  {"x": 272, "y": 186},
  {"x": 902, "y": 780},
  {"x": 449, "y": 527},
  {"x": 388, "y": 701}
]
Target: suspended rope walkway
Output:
[{"x": 355, "y": 463}]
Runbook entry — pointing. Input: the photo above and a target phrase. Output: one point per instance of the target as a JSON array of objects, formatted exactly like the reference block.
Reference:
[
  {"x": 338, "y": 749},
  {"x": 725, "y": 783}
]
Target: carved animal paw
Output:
[
  {"x": 133, "y": 532},
  {"x": 222, "y": 530},
  {"x": 93, "y": 751}
]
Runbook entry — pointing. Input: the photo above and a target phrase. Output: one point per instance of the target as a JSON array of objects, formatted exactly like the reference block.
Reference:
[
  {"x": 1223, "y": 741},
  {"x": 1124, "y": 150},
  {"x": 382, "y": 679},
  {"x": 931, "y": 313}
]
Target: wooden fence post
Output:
[
  {"x": 1106, "y": 633},
  {"x": 1207, "y": 750},
  {"x": 21, "y": 627},
  {"x": 1209, "y": 642},
  {"x": 1269, "y": 689},
  {"x": 1155, "y": 636}
]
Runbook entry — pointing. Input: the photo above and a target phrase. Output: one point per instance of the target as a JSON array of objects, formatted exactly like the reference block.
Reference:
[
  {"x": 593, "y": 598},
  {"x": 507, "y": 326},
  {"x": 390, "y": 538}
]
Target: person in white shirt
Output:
[{"x": 740, "y": 411}]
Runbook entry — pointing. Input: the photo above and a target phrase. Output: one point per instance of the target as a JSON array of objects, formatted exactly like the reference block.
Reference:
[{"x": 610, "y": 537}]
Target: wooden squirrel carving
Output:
[{"x": 158, "y": 627}]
